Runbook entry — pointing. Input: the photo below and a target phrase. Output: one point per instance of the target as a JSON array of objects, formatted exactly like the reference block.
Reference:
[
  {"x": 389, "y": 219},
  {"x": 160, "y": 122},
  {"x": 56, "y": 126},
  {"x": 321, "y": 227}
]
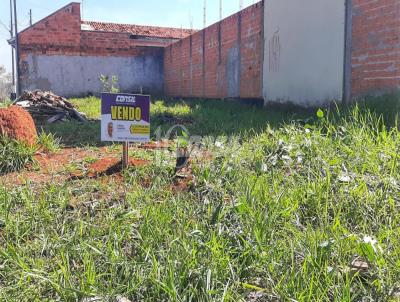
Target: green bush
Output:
[{"x": 14, "y": 155}]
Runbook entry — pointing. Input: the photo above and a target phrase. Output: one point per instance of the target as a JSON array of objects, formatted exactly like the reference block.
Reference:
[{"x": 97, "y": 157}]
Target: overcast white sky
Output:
[{"x": 174, "y": 13}]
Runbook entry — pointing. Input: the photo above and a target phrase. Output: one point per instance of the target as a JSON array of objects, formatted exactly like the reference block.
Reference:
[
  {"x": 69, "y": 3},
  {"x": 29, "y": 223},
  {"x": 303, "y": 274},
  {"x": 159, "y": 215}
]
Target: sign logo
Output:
[{"x": 126, "y": 99}]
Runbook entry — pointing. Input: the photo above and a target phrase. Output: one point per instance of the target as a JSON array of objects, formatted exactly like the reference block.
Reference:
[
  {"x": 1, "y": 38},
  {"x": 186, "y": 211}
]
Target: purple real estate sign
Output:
[{"x": 125, "y": 117}]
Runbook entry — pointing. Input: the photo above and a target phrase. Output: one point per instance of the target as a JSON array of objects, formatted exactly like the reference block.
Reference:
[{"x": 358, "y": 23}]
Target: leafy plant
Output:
[
  {"x": 320, "y": 113},
  {"x": 14, "y": 155},
  {"x": 183, "y": 141},
  {"x": 49, "y": 142},
  {"x": 110, "y": 84}
]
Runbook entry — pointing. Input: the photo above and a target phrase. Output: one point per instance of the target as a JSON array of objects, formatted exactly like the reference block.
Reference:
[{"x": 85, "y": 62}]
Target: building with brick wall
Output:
[
  {"x": 307, "y": 52},
  {"x": 67, "y": 55}
]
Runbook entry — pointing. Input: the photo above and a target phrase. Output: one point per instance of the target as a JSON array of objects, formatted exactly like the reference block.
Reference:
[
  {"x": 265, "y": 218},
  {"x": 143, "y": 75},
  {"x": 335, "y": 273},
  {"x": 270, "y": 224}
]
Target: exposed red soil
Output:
[
  {"x": 155, "y": 145},
  {"x": 181, "y": 185},
  {"x": 17, "y": 123},
  {"x": 111, "y": 165},
  {"x": 51, "y": 167},
  {"x": 183, "y": 179},
  {"x": 73, "y": 164}
]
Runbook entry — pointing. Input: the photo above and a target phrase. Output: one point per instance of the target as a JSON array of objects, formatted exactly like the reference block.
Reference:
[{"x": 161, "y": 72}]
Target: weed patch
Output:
[
  {"x": 48, "y": 142},
  {"x": 14, "y": 155}
]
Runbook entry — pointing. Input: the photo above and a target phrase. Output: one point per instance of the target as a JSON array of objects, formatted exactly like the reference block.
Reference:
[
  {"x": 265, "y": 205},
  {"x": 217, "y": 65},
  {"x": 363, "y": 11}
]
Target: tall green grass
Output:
[
  {"x": 91, "y": 106},
  {"x": 14, "y": 155},
  {"x": 48, "y": 142},
  {"x": 279, "y": 215}
]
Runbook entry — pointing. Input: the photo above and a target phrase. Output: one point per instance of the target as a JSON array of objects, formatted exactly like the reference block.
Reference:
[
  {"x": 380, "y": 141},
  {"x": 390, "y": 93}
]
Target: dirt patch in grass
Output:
[
  {"x": 181, "y": 184},
  {"x": 70, "y": 164},
  {"x": 111, "y": 165},
  {"x": 155, "y": 145},
  {"x": 184, "y": 179},
  {"x": 54, "y": 167}
]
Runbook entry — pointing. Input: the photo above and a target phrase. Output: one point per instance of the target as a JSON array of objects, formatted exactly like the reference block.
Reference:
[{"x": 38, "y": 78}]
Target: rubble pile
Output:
[{"x": 47, "y": 108}]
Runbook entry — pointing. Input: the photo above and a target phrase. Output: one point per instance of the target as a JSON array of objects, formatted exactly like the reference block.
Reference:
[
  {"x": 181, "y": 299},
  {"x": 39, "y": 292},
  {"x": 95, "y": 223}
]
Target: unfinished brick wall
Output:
[
  {"x": 58, "y": 33},
  {"x": 221, "y": 61},
  {"x": 61, "y": 33},
  {"x": 375, "y": 46},
  {"x": 114, "y": 44},
  {"x": 58, "y": 53}
]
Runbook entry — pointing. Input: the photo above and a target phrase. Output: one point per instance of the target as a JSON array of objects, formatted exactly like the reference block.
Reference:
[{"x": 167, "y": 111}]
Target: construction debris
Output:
[{"x": 47, "y": 108}]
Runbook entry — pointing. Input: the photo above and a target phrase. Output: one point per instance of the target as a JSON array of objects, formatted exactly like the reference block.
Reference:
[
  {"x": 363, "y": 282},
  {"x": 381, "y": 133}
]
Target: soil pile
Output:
[{"x": 16, "y": 123}]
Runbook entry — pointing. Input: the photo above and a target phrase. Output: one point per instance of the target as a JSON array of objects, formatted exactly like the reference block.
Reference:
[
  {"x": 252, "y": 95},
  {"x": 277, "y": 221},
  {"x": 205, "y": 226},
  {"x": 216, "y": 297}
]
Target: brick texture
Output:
[
  {"x": 57, "y": 34},
  {"x": 198, "y": 66},
  {"x": 375, "y": 46}
]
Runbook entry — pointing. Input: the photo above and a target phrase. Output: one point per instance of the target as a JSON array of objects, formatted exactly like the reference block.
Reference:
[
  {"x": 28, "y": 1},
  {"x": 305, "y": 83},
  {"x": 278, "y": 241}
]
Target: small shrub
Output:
[
  {"x": 48, "y": 142},
  {"x": 14, "y": 155},
  {"x": 110, "y": 84}
]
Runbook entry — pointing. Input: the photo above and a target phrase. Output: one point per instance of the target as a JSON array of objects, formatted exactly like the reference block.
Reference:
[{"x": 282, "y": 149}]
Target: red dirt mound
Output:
[{"x": 16, "y": 123}]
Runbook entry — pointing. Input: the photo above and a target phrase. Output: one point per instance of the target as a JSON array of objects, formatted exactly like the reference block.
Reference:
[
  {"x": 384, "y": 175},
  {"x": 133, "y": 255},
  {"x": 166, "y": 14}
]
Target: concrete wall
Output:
[
  {"x": 79, "y": 75},
  {"x": 304, "y": 51},
  {"x": 375, "y": 47},
  {"x": 222, "y": 61}
]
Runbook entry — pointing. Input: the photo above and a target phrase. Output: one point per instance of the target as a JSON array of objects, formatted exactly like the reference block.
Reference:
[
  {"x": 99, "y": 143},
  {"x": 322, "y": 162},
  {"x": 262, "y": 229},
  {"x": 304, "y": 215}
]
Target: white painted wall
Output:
[
  {"x": 304, "y": 51},
  {"x": 79, "y": 75}
]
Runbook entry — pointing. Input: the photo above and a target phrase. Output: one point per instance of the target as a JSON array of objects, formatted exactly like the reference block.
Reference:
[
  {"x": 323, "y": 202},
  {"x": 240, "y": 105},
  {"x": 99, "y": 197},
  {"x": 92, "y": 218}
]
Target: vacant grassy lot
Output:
[{"x": 288, "y": 207}]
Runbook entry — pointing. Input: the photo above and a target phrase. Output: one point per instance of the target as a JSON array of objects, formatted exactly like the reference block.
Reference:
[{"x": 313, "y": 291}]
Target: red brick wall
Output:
[
  {"x": 375, "y": 46},
  {"x": 58, "y": 33},
  {"x": 113, "y": 44},
  {"x": 197, "y": 65},
  {"x": 172, "y": 69},
  {"x": 252, "y": 58},
  {"x": 197, "y": 69},
  {"x": 211, "y": 62}
]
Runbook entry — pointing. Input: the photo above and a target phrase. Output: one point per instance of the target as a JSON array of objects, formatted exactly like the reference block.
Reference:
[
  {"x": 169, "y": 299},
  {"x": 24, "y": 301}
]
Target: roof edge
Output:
[
  {"x": 124, "y": 33},
  {"x": 132, "y": 24}
]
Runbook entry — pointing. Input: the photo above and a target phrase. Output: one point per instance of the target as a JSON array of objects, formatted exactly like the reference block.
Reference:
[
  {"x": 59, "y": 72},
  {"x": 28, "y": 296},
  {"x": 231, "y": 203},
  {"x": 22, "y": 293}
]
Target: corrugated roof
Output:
[{"x": 140, "y": 30}]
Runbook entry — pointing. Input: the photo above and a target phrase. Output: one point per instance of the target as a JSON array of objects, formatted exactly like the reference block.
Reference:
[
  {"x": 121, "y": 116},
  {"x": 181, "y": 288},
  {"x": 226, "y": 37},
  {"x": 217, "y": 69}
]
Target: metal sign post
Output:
[{"x": 125, "y": 155}]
